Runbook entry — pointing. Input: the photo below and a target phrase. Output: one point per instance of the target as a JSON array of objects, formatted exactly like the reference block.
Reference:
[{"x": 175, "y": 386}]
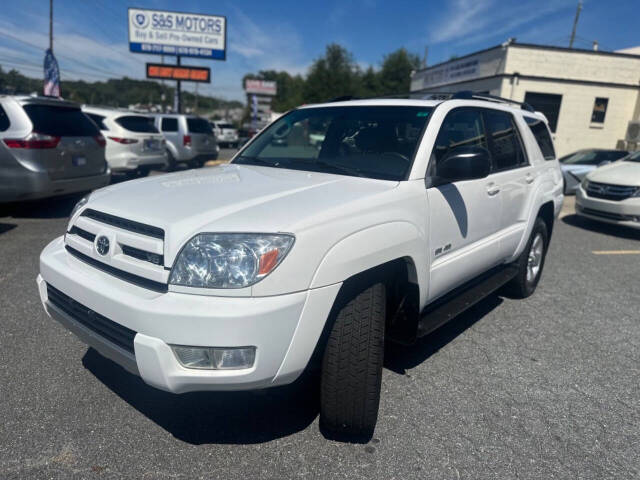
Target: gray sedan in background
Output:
[
  {"x": 48, "y": 147},
  {"x": 577, "y": 165}
]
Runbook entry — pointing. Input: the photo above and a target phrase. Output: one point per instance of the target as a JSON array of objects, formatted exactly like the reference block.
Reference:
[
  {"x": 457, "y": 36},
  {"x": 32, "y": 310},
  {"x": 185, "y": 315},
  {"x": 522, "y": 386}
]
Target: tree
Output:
[
  {"x": 331, "y": 76},
  {"x": 395, "y": 74}
]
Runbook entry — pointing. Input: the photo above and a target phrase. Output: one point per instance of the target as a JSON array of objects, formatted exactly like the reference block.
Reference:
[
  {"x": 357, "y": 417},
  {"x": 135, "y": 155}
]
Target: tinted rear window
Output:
[
  {"x": 225, "y": 125},
  {"x": 97, "y": 119},
  {"x": 4, "y": 120},
  {"x": 543, "y": 137},
  {"x": 60, "y": 121},
  {"x": 198, "y": 125},
  {"x": 137, "y": 123}
]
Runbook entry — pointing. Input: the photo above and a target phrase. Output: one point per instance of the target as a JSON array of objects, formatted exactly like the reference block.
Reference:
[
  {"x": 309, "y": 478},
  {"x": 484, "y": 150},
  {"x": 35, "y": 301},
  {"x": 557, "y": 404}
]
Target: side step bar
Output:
[{"x": 462, "y": 298}]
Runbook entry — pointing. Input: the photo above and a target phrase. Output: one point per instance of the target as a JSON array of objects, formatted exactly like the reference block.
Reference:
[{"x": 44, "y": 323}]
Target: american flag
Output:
[{"x": 51, "y": 75}]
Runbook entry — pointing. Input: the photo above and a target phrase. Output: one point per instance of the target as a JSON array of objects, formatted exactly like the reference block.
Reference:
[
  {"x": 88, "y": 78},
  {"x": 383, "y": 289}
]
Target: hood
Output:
[
  {"x": 618, "y": 173},
  {"x": 232, "y": 198}
]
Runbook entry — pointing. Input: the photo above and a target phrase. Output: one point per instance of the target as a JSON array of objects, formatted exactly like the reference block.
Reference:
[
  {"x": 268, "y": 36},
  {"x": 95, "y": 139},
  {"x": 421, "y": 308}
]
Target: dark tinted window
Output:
[
  {"x": 169, "y": 124},
  {"x": 60, "y": 121},
  {"x": 198, "y": 125},
  {"x": 611, "y": 155},
  {"x": 4, "y": 120},
  {"x": 543, "y": 137},
  {"x": 369, "y": 141},
  {"x": 504, "y": 140},
  {"x": 462, "y": 127},
  {"x": 599, "y": 110},
  {"x": 593, "y": 157},
  {"x": 137, "y": 123},
  {"x": 547, "y": 103},
  {"x": 97, "y": 119}
]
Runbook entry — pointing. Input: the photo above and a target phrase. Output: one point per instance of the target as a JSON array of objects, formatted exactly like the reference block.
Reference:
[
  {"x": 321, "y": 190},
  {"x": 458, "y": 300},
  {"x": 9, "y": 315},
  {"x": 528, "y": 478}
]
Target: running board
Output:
[{"x": 463, "y": 298}]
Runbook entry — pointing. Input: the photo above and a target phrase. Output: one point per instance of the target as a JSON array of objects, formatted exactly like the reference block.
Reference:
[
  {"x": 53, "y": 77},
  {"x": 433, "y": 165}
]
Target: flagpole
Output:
[{"x": 51, "y": 25}]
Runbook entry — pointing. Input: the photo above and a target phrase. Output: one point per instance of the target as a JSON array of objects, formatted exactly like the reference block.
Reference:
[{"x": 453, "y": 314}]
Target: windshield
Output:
[
  {"x": 198, "y": 125},
  {"x": 375, "y": 142},
  {"x": 592, "y": 157},
  {"x": 634, "y": 157}
]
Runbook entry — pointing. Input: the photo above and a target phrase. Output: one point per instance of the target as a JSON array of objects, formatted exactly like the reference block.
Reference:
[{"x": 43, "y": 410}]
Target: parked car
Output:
[
  {"x": 190, "y": 139},
  {"x": 611, "y": 193},
  {"x": 226, "y": 134},
  {"x": 134, "y": 144},
  {"x": 48, "y": 147},
  {"x": 577, "y": 165},
  {"x": 244, "y": 275}
]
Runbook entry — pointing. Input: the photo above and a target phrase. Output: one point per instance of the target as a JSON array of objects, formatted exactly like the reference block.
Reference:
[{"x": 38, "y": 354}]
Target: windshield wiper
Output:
[{"x": 340, "y": 168}]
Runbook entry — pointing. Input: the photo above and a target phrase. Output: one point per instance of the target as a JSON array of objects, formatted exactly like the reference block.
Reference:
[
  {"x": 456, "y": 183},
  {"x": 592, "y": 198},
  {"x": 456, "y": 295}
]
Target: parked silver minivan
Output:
[
  {"x": 48, "y": 147},
  {"x": 190, "y": 139}
]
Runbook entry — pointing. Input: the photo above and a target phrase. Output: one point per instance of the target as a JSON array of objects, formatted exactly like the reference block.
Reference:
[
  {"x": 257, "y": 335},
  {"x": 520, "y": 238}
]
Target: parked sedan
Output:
[
  {"x": 48, "y": 147},
  {"x": 134, "y": 144},
  {"x": 577, "y": 165},
  {"x": 612, "y": 193}
]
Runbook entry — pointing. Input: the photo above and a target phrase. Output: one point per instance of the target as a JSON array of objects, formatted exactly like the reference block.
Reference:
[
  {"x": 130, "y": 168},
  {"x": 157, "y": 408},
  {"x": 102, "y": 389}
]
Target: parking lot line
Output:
[{"x": 616, "y": 252}]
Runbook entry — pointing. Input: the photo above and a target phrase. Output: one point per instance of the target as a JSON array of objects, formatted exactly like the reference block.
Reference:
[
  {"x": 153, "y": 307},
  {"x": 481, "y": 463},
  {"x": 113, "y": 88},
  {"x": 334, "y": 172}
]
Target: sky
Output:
[{"x": 90, "y": 36}]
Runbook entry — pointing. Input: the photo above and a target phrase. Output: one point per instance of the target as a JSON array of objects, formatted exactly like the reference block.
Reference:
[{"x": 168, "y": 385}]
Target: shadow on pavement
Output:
[
  {"x": 57, "y": 207},
  {"x": 400, "y": 358},
  {"x": 619, "y": 231},
  {"x": 214, "y": 417},
  {"x": 5, "y": 227}
]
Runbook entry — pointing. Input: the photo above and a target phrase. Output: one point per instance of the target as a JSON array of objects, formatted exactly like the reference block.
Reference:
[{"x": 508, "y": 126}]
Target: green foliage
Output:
[
  {"x": 114, "y": 92},
  {"x": 337, "y": 74}
]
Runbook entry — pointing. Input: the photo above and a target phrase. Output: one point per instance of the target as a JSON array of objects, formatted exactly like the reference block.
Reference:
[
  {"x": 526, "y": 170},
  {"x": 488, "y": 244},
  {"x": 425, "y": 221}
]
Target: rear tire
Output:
[
  {"x": 352, "y": 367},
  {"x": 530, "y": 263},
  {"x": 171, "y": 162}
]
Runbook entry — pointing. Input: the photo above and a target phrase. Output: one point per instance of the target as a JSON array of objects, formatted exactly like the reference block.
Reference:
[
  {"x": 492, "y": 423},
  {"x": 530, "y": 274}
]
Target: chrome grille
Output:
[{"x": 608, "y": 191}]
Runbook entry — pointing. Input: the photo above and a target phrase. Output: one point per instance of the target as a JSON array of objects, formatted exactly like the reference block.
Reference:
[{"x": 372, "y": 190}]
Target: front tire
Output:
[
  {"x": 352, "y": 366},
  {"x": 530, "y": 263}
]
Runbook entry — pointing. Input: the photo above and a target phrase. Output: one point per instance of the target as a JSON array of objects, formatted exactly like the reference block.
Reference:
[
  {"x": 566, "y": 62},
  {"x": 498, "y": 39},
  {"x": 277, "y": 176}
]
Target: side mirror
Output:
[{"x": 464, "y": 163}]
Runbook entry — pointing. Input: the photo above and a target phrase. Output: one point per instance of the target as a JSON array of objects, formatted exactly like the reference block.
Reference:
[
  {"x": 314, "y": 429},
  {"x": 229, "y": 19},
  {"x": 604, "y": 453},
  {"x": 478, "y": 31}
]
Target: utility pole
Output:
[
  {"x": 51, "y": 25},
  {"x": 177, "y": 99},
  {"x": 575, "y": 24}
]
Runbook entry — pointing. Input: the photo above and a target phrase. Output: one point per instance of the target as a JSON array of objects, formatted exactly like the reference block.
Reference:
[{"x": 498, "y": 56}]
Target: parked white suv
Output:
[
  {"x": 244, "y": 275},
  {"x": 134, "y": 144},
  {"x": 226, "y": 134}
]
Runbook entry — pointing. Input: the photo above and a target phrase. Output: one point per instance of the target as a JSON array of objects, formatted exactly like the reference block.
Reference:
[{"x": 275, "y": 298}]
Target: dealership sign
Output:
[
  {"x": 174, "y": 33},
  {"x": 260, "y": 87}
]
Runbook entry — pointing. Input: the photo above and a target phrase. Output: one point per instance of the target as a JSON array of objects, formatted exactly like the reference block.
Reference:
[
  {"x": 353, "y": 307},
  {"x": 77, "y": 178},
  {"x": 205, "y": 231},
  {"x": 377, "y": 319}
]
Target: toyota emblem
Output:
[{"x": 102, "y": 245}]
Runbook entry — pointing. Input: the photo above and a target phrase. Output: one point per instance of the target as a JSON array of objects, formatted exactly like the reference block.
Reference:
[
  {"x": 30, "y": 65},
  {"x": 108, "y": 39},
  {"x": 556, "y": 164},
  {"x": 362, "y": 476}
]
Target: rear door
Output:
[
  {"x": 513, "y": 175},
  {"x": 465, "y": 215},
  {"x": 141, "y": 128},
  {"x": 78, "y": 152},
  {"x": 202, "y": 137}
]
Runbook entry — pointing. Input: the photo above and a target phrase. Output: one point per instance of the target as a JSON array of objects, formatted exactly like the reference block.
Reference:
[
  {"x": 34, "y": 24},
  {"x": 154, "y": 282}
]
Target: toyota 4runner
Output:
[{"x": 301, "y": 253}]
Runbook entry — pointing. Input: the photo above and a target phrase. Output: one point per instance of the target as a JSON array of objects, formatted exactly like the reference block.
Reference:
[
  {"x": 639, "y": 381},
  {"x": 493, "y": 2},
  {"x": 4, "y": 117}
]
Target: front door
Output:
[{"x": 465, "y": 215}]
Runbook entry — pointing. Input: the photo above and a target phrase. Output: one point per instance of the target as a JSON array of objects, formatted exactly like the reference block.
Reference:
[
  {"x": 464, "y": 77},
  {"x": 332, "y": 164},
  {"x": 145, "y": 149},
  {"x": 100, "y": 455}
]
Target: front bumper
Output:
[
  {"x": 284, "y": 329},
  {"x": 624, "y": 212}
]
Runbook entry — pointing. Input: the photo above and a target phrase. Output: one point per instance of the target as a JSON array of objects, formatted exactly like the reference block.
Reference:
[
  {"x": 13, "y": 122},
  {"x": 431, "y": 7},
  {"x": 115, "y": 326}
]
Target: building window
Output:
[
  {"x": 599, "y": 110},
  {"x": 547, "y": 103}
]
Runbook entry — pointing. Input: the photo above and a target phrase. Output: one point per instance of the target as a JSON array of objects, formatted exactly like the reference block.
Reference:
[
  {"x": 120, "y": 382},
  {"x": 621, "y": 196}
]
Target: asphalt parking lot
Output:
[{"x": 546, "y": 388}]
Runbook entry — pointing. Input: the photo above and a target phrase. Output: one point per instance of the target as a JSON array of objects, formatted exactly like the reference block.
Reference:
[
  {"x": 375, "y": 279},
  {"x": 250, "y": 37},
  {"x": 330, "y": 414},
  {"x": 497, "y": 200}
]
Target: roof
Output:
[
  {"x": 42, "y": 100},
  {"x": 111, "y": 111},
  {"x": 397, "y": 102}
]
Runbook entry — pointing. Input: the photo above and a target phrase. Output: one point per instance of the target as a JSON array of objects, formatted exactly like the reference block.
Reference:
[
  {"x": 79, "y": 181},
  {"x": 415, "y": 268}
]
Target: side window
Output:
[
  {"x": 543, "y": 137},
  {"x": 169, "y": 124},
  {"x": 504, "y": 140},
  {"x": 461, "y": 127},
  {"x": 599, "y": 110},
  {"x": 4, "y": 120}
]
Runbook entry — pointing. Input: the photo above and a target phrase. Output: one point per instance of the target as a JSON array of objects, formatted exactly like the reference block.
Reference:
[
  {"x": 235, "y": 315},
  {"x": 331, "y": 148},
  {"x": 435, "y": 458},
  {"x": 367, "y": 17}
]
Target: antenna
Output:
[{"x": 575, "y": 24}]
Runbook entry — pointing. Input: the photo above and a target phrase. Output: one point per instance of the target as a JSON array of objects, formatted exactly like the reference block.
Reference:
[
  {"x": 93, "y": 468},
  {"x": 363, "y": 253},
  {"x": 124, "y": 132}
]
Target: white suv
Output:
[
  {"x": 134, "y": 144},
  {"x": 295, "y": 255}
]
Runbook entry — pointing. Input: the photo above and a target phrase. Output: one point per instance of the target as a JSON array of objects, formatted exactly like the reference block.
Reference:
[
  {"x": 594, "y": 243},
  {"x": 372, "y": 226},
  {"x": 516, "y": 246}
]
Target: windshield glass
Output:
[
  {"x": 634, "y": 157},
  {"x": 199, "y": 125},
  {"x": 375, "y": 142},
  {"x": 592, "y": 157}
]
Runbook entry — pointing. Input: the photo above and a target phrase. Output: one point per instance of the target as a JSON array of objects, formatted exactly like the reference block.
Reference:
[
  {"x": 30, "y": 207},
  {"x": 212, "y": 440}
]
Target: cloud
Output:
[{"x": 468, "y": 21}]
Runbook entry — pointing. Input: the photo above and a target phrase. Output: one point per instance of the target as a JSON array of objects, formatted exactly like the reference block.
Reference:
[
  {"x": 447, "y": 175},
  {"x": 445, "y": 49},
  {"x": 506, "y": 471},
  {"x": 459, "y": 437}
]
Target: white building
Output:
[{"x": 589, "y": 96}]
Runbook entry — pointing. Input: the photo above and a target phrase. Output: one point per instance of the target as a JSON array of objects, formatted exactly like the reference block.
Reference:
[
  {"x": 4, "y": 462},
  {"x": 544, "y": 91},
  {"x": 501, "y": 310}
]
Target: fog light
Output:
[{"x": 216, "y": 358}]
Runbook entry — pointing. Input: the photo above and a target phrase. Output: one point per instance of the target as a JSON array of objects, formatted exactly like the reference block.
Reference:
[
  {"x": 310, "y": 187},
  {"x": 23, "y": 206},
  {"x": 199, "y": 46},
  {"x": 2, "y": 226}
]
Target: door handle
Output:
[
  {"x": 529, "y": 178},
  {"x": 492, "y": 190}
]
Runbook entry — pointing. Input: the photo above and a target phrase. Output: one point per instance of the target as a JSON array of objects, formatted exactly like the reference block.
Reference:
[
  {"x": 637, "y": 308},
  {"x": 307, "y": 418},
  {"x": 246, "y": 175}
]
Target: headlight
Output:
[
  {"x": 229, "y": 260},
  {"x": 83, "y": 201},
  {"x": 584, "y": 184}
]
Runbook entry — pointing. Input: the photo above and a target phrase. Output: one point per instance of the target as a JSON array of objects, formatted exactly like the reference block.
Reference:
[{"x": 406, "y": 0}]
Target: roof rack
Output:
[{"x": 469, "y": 95}]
